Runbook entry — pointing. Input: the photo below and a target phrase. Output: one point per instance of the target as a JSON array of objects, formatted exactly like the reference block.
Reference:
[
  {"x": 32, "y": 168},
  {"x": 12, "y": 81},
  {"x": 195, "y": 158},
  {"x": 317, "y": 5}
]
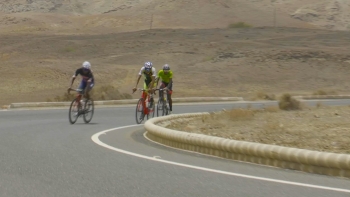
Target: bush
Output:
[
  {"x": 239, "y": 25},
  {"x": 287, "y": 102}
]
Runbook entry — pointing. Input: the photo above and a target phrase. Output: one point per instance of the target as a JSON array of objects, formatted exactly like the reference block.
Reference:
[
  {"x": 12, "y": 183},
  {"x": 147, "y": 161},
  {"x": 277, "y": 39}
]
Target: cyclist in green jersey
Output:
[{"x": 167, "y": 82}]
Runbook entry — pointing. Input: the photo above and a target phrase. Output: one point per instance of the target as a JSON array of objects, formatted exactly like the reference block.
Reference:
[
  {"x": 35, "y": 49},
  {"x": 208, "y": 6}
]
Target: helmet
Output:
[
  {"x": 166, "y": 67},
  {"x": 87, "y": 65},
  {"x": 148, "y": 66}
]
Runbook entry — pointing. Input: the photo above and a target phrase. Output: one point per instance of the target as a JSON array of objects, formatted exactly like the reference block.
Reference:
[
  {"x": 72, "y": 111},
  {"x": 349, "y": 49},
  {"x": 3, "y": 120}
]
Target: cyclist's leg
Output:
[
  {"x": 170, "y": 91},
  {"x": 145, "y": 87},
  {"x": 145, "y": 94},
  {"x": 81, "y": 87},
  {"x": 88, "y": 88}
]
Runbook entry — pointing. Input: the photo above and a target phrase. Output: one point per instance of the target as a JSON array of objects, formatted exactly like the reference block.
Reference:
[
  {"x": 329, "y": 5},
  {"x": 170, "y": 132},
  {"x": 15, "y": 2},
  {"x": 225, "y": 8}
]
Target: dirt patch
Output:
[{"x": 321, "y": 128}]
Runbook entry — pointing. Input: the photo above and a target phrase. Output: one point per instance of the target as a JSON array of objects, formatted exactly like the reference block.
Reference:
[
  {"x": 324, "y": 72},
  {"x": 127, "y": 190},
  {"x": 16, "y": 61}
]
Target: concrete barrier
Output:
[
  {"x": 123, "y": 102},
  {"x": 289, "y": 158}
]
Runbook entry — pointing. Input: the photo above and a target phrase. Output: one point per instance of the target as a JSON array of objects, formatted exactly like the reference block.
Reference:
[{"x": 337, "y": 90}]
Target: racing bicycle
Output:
[
  {"x": 144, "y": 109},
  {"x": 80, "y": 106},
  {"x": 163, "y": 103}
]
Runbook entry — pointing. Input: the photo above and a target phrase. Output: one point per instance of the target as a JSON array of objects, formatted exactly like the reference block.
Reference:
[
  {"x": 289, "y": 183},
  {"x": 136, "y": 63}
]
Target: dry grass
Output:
[
  {"x": 107, "y": 92},
  {"x": 323, "y": 92},
  {"x": 321, "y": 128},
  {"x": 264, "y": 96}
]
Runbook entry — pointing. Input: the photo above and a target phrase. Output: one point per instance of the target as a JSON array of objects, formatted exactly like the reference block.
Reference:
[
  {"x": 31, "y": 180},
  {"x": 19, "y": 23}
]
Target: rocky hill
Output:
[{"x": 97, "y": 16}]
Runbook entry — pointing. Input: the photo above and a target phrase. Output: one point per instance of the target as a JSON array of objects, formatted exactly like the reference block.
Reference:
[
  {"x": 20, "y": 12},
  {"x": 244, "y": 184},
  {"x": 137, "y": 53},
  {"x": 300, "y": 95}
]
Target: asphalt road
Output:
[{"x": 41, "y": 154}]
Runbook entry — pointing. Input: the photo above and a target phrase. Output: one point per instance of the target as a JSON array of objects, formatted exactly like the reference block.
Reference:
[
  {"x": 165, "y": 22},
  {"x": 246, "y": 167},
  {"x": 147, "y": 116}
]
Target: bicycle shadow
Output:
[{"x": 82, "y": 123}]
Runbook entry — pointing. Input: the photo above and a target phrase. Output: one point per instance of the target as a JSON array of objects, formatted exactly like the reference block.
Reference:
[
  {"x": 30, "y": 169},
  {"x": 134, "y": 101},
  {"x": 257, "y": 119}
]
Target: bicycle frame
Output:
[
  {"x": 145, "y": 96},
  {"x": 79, "y": 94}
]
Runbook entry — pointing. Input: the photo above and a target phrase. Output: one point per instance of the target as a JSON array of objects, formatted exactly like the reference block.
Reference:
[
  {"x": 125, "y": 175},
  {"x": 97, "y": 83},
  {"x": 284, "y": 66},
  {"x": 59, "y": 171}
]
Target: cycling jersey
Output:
[
  {"x": 85, "y": 76},
  {"x": 148, "y": 76},
  {"x": 165, "y": 77}
]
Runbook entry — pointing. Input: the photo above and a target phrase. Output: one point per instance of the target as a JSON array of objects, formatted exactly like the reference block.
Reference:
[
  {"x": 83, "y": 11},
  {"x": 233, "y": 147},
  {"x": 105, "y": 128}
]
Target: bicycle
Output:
[
  {"x": 163, "y": 103},
  {"x": 80, "y": 106},
  {"x": 141, "y": 108}
]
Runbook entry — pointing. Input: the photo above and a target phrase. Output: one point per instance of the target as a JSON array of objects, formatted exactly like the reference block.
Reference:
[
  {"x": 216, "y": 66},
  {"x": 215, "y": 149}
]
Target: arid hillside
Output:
[{"x": 211, "y": 53}]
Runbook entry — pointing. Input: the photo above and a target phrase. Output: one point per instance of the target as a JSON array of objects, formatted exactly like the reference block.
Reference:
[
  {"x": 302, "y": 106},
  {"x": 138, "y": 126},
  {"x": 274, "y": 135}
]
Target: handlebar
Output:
[
  {"x": 71, "y": 89},
  {"x": 144, "y": 90}
]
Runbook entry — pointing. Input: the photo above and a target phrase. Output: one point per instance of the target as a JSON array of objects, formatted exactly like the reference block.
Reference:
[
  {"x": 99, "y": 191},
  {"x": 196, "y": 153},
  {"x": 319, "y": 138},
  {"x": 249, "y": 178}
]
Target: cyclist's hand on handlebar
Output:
[
  {"x": 134, "y": 90},
  {"x": 69, "y": 89}
]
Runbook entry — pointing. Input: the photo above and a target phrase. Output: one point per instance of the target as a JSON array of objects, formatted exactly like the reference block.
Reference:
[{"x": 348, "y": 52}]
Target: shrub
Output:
[{"x": 287, "y": 102}]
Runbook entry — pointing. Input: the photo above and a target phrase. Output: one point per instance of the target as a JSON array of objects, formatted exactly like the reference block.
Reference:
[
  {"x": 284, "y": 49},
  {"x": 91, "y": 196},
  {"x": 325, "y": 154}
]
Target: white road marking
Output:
[{"x": 95, "y": 138}]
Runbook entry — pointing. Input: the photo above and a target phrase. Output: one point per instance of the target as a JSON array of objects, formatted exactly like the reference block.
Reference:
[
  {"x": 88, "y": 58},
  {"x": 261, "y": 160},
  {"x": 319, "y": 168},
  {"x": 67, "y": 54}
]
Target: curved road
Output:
[{"x": 41, "y": 154}]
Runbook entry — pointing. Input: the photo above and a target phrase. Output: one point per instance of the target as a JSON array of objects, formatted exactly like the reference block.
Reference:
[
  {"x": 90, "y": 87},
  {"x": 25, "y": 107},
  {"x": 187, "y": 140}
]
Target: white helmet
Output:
[
  {"x": 166, "y": 67},
  {"x": 87, "y": 65}
]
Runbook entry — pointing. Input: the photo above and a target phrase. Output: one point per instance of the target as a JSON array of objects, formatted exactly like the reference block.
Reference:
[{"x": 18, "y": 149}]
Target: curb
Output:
[
  {"x": 175, "y": 100},
  {"x": 316, "y": 97},
  {"x": 121, "y": 102},
  {"x": 331, "y": 164}
]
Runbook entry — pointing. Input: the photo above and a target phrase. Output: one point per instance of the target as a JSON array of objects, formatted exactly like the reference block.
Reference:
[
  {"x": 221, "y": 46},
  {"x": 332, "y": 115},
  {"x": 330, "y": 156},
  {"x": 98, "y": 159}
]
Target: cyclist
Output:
[
  {"x": 87, "y": 82},
  {"x": 167, "y": 82},
  {"x": 149, "y": 73}
]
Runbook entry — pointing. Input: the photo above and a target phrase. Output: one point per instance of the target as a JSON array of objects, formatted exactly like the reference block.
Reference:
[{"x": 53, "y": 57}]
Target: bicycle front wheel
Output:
[
  {"x": 151, "y": 111},
  {"x": 73, "y": 112},
  {"x": 139, "y": 112},
  {"x": 88, "y": 110},
  {"x": 160, "y": 107},
  {"x": 165, "y": 108}
]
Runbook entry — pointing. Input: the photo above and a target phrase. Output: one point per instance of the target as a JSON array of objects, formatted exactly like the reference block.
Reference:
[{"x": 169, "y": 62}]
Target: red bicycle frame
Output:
[{"x": 145, "y": 96}]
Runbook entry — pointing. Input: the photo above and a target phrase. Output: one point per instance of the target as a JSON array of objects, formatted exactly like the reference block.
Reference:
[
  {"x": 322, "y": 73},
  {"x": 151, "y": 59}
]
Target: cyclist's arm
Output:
[
  {"x": 91, "y": 77},
  {"x": 138, "y": 80},
  {"x": 140, "y": 74},
  {"x": 73, "y": 77}
]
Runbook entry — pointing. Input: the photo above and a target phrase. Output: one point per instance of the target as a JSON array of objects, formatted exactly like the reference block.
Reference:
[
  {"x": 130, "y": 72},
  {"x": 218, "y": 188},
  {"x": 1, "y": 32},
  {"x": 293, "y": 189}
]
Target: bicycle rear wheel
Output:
[
  {"x": 73, "y": 112},
  {"x": 139, "y": 112},
  {"x": 88, "y": 110}
]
